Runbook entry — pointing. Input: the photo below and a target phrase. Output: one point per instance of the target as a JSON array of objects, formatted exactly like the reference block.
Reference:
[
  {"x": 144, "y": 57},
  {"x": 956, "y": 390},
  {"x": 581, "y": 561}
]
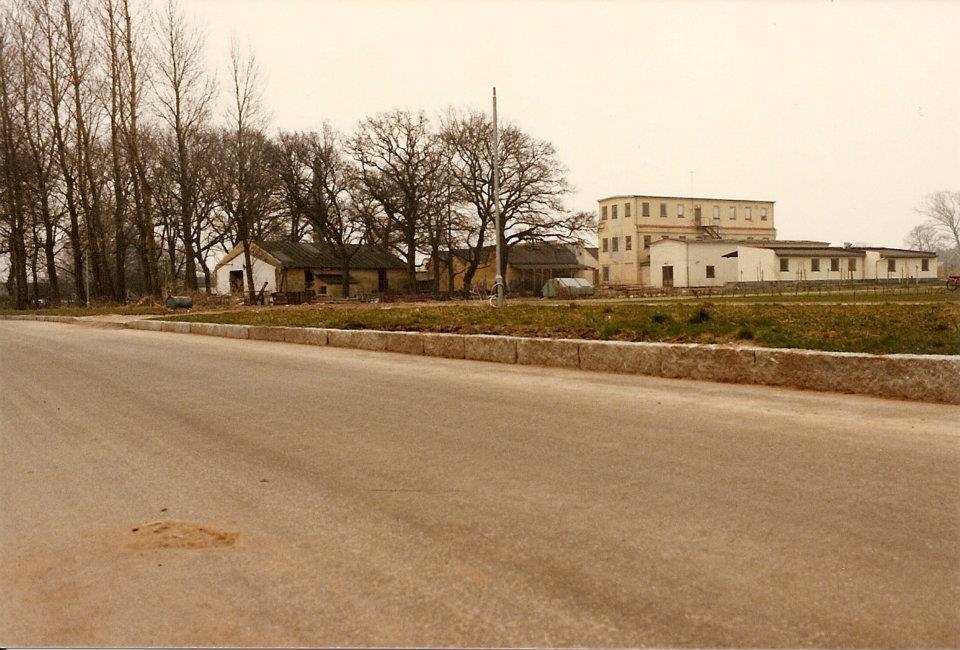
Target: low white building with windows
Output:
[{"x": 715, "y": 263}]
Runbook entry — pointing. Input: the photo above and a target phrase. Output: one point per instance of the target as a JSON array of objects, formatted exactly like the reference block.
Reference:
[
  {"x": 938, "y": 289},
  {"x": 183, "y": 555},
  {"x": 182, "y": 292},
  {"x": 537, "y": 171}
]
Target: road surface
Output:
[{"x": 292, "y": 495}]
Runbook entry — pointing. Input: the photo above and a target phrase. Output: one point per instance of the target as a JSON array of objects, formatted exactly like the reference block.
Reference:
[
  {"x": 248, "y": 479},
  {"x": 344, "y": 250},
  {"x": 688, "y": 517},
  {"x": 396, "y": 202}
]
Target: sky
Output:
[{"x": 844, "y": 113}]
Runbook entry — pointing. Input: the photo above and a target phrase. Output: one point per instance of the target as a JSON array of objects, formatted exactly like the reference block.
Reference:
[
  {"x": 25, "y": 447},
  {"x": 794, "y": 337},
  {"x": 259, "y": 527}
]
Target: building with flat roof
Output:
[
  {"x": 715, "y": 263},
  {"x": 630, "y": 224}
]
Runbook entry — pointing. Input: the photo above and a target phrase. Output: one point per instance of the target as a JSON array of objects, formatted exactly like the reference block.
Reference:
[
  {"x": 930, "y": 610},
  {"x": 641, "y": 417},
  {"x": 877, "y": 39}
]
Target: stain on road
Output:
[{"x": 178, "y": 534}]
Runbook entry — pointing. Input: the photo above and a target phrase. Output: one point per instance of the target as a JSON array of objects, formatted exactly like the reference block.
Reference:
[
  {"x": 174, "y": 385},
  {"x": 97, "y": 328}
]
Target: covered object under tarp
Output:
[{"x": 567, "y": 288}]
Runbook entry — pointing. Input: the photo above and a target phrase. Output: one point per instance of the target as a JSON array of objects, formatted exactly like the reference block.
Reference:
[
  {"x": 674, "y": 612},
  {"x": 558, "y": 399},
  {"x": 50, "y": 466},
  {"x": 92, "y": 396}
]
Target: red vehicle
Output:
[{"x": 953, "y": 282}]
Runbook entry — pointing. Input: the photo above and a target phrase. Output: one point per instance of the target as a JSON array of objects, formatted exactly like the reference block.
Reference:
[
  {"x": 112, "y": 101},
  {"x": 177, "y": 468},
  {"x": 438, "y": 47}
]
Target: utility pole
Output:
[
  {"x": 498, "y": 280},
  {"x": 86, "y": 276}
]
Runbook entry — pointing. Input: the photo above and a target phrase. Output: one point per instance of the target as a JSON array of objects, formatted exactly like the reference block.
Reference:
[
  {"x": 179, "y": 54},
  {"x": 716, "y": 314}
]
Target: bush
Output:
[
  {"x": 699, "y": 316},
  {"x": 661, "y": 319}
]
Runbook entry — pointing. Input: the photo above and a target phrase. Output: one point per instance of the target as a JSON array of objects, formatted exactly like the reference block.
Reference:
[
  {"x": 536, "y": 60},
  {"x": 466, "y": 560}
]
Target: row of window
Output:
[
  {"x": 613, "y": 243},
  {"x": 645, "y": 206},
  {"x": 851, "y": 264}
]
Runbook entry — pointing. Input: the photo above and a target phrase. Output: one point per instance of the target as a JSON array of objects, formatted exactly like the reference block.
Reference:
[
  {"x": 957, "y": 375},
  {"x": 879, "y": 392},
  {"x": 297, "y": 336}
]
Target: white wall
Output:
[
  {"x": 700, "y": 255},
  {"x": 759, "y": 265},
  {"x": 262, "y": 272},
  {"x": 668, "y": 253},
  {"x": 906, "y": 267}
]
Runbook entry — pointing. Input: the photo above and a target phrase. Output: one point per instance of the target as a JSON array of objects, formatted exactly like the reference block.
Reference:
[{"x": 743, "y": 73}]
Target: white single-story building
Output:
[{"x": 715, "y": 263}]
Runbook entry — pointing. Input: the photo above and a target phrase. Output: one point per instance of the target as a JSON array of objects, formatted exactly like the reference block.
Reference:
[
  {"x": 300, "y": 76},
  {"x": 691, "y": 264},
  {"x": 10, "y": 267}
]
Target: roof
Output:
[
  {"x": 898, "y": 252},
  {"x": 765, "y": 243},
  {"x": 682, "y": 198},
  {"x": 307, "y": 255},
  {"x": 554, "y": 255},
  {"x": 818, "y": 252}
]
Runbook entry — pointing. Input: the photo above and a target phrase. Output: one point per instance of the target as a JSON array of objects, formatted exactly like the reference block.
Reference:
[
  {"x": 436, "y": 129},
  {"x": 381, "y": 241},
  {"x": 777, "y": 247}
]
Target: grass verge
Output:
[
  {"x": 877, "y": 328},
  {"x": 121, "y": 310}
]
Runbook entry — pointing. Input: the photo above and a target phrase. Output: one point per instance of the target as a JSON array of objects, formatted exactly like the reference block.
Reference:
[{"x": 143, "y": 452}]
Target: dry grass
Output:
[{"x": 921, "y": 328}]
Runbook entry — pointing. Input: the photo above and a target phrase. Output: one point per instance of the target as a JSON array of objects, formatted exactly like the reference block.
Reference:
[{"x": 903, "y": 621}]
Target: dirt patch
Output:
[{"x": 178, "y": 534}]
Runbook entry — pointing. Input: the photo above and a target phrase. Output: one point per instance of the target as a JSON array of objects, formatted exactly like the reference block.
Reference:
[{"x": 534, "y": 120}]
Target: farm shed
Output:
[{"x": 287, "y": 266}]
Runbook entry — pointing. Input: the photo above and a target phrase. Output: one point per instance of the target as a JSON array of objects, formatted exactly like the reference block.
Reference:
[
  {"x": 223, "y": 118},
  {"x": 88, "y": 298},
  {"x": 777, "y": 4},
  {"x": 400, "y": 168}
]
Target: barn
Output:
[{"x": 286, "y": 266}]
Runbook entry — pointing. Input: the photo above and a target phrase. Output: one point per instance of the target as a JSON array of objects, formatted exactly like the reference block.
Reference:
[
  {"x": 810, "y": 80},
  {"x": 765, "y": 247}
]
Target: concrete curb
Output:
[{"x": 930, "y": 378}]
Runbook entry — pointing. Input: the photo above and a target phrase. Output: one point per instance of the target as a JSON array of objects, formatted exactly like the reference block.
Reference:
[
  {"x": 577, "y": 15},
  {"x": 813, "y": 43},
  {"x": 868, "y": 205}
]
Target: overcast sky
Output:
[{"x": 844, "y": 113}]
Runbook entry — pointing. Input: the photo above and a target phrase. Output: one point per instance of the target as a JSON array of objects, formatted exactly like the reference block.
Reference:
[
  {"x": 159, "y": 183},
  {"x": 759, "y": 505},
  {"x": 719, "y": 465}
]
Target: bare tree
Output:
[
  {"x": 400, "y": 163},
  {"x": 42, "y": 177},
  {"x": 185, "y": 92},
  {"x": 533, "y": 185},
  {"x": 246, "y": 182},
  {"x": 323, "y": 188},
  {"x": 942, "y": 210},
  {"x": 925, "y": 237},
  {"x": 54, "y": 78},
  {"x": 11, "y": 144}
]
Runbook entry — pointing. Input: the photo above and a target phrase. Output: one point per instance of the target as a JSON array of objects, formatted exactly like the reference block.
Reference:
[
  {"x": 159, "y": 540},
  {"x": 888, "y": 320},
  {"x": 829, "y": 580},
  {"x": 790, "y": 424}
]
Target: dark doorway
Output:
[
  {"x": 236, "y": 281},
  {"x": 382, "y": 284},
  {"x": 668, "y": 276}
]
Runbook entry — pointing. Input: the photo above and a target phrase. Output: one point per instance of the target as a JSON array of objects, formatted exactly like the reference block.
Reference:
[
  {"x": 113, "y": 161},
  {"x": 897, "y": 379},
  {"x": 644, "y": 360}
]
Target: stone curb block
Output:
[
  {"x": 622, "y": 356},
  {"x": 358, "y": 339},
  {"x": 484, "y": 347},
  {"x": 266, "y": 333},
  {"x": 216, "y": 329},
  {"x": 178, "y": 327},
  {"x": 146, "y": 325},
  {"x": 305, "y": 335},
  {"x": 557, "y": 353},
  {"x": 450, "y": 346},
  {"x": 405, "y": 342},
  {"x": 906, "y": 376},
  {"x": 708, "y": 362}
]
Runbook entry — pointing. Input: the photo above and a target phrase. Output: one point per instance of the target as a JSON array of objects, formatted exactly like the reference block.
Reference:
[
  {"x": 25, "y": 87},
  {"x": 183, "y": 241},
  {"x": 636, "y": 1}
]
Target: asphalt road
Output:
[{"x": 291, "y": 495}]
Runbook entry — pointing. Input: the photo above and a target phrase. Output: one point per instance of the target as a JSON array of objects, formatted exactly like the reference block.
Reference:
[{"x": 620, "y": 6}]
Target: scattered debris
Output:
[{"x": 179, "y": 534}]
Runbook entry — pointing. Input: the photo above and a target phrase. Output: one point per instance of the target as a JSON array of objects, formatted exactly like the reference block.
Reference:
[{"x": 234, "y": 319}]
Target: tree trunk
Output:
[{"x": 345, "y": 280}]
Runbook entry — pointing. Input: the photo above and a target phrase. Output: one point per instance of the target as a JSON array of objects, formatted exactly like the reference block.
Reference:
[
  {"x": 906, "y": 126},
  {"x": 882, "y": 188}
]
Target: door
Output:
[
  {"x": 236, "y": 281},
  {"x": 668, "y": 276},
  {"x": 382, "y": 284}
]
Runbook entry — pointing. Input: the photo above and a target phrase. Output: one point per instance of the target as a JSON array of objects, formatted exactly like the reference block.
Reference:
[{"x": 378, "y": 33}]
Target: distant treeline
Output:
[{"x": 117, "y": 167}]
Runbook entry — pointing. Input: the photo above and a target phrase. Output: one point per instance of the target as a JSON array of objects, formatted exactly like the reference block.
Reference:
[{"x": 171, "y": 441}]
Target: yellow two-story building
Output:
[{"x": 628, "y": 224}]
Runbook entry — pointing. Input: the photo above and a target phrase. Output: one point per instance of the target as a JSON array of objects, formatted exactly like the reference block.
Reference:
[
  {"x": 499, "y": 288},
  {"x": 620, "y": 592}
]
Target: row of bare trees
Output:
[
  {"x": 940, "y": 230},
  {"x": 126, "y": 171}
]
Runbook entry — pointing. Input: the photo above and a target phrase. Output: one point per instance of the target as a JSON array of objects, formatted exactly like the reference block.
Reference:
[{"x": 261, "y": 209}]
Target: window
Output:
[
  {"x": 605, "y": 240},
  {"x": 733, "y": 212},
  {"x": 664, "y": 236},
  {"x": 603, "y": 213},
  {"x": 834, "y": 263},
  {"x": 613, "y": 212},
  {"x": 748, "y": 213},
  {"x": 852, "y": 264},
  {"x": 763, "y": 214},
  {"x": 615, "y": 244},
  {"x": 680, "y": 210},
  {"x": 628, "y": 243},
  {"x": 683, "y": 236},
  {"x": 663, "y": 209},
  {"x": 646, "y": 241},
  {"x": 891, "y": 266},
  {"x": 924, "y": 264},
  {"x": 323, "y": 289},
  {"x": 646, "y": 209},
  {"x": 626, "y": 210},
  {"x": 697, "y": 213},
  {"x": 606, "y": 274},
  {"x": 815, "y": 265},
  {"x": 716, "y": 213},
  {"x": 784, "y": 264},
  {"x": 710, "y": 272}
]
